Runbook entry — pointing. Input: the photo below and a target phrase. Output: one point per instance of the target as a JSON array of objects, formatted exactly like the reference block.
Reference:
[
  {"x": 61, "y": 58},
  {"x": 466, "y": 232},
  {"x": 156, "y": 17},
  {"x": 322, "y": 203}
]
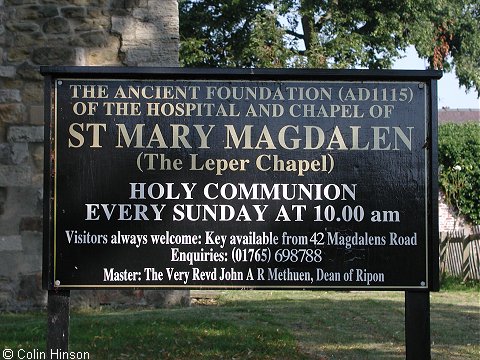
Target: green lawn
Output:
[{"x": 262, "y": 325}]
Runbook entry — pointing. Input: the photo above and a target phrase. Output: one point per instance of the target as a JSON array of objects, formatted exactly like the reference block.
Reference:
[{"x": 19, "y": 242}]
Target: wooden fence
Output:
[{"x": 460, "y": 254}]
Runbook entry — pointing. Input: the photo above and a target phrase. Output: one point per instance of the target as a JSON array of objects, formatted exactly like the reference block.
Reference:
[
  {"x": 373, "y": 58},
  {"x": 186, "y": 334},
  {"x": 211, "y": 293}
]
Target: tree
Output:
[{"x": 331, "y": 34}]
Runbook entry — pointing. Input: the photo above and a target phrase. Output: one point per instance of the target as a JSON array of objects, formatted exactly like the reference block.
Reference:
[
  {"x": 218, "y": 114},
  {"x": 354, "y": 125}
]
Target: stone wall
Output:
[{"x": 58, "y": 32}]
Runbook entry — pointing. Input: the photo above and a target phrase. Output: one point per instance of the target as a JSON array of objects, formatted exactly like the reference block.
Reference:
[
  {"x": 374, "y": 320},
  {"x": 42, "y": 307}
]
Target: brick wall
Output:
[
  {"x": 449, "y": 220},
  {"x": 47, "y": 32}
]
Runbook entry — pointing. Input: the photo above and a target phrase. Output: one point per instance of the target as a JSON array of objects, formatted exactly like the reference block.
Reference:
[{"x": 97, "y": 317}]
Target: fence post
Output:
[
  {"x": 443, "y": 252},
  {"x": 465, "y": 257},
  {"x": 460, "y": 254}
]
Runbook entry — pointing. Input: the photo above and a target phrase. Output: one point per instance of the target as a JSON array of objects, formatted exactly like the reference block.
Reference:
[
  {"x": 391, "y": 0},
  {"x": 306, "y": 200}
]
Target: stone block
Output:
[
  {"x": 146, "y": 31},
  {"x": 32, "y": 243},
  {"x": 163, "y": 58},
  {"x": 33, "y": 92},
  {"x": 34, "y": 12},
  {"x": 129, "y": 298},
  {"x": 12, "y": 84},
  {"x": 58, "y": 2},
  {"x": 122, "y": 24},
  {"x": 7, "y": 293},
  {"x": 37, "y": 179},
  {"x": 30, "y": 289},
  {"x": 91, "y": 39},
  {"x": 167, "y": 298},
  {"x": 10, "y": 96},
  {"x": 19, "y": 153},
  {"x": 108, "y": 55},
  {"x": 27, "y": 71},
  {"x": 25, "y": 134},
  {"x": 18, "y": 202},
  {"x": 18, "y": 54},
  {"x": 134, "y": 57},
  {"x": 11, "y": 243},
  {"x": 95, "y": 298},
  {"x": 74, "y": 12},
  {"x": 28, "y": 263},
  {"x": 21, "y": 2},
  {"x": 37, "y": 115},
  {"x": 7, "y": 71},
  {"x": 143, "y": 15},
  {"x": 118, "y": 4},
  {"x": 16, "y": 264},
  {"x": 80, "y": 57},
  {"x": 30, "y": 40},
  {"x": 5, "y": 154},
  {"x": 131, "y": 4},
  {"x": 54, "y": 56},
  {"x": 23, "y": 26},
  {"x": 13, "y": 153},
  {"x": 87, "y": 24},
  {"x": 164, "y": 9},
  {"x": 37, "y": 156},
  {"x": 83, "y": 2},
  {"x": 31, "y": 224},
  {"x": 12, "y": 113},
  {"x": 95, "y": 14},
  {"x": 56, "y": 25},
  {"x": 8, "y": 265},
  {"x": 3, "y": 199},
  {"x": 15, "y": 175}
]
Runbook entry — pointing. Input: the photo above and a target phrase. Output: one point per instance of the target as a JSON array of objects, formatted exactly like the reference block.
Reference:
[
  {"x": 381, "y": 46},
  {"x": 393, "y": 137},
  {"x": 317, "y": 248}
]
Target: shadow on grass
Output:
[
  {"x": 294, "y": 329},
  {"x": 195, "y": 333},
  {"x": 367, "y": 328},
  {"x": 322, "y": 327}
]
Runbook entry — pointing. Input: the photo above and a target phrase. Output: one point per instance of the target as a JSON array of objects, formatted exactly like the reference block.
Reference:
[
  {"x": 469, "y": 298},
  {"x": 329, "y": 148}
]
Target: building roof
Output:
[{"x": 459, "y": 116}]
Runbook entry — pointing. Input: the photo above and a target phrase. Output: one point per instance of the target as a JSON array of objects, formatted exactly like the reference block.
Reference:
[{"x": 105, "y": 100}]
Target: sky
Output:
[{"x": 449, "y": 93}]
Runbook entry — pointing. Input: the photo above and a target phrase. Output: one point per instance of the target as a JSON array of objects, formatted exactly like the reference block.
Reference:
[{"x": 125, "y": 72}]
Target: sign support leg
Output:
[
  {"x": 417, "y": 325},
  {"x": 58, "y": 309}
]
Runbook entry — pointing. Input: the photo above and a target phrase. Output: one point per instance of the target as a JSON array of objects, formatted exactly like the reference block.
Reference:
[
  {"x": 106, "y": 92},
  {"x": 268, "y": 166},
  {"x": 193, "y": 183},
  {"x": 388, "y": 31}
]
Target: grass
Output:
[
  {"x": 449, "y": 283},
  {"x": 262, "y": 325}
]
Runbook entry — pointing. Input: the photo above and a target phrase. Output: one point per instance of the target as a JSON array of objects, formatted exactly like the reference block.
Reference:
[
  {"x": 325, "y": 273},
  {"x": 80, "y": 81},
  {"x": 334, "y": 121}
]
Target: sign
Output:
[{"x": 171, "y": 178}]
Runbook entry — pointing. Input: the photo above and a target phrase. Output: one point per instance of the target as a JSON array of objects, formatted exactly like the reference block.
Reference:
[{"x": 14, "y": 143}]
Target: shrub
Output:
[{"x": 459, "y": 158}]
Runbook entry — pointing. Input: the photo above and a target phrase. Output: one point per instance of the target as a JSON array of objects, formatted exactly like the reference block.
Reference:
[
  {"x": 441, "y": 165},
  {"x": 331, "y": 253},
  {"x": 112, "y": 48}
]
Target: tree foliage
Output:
[
  {"x": 459, "y": 151},
  {"x": 331, "y": 34}
]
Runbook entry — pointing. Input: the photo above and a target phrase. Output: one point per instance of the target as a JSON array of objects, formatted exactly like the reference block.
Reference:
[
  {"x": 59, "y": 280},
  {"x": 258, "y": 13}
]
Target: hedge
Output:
[{"x": 459, "y": 159}]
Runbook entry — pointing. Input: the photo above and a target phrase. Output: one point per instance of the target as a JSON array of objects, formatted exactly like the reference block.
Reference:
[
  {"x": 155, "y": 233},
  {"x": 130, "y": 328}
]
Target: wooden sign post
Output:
[
  {"x": 262, "y": 179},
  {"x": 58, "y": 310}
]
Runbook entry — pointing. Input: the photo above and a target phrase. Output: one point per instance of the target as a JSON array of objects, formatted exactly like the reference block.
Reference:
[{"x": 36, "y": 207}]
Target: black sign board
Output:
[{"x": 177, "y": 178}]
